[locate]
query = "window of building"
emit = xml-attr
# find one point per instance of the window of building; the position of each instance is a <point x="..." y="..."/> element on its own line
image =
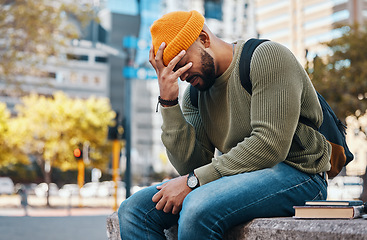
<point x="274" y="21"/>
<point x="73" y="77"/>
<point x="323" y="37"/>
<point x="77" y="57"/>
<point x="272" y="6"/>
<point x="213" y="9"/>
<point x="51" y="75"/>
<point x="101" y="59"/>
<point x="276" y="34"/>
<point x="85" y="79"/>
<point x="59" y="77"/>
<point x="320" y="6"/>
<point x="97" y="80"/>
<point x="335" y="17"/>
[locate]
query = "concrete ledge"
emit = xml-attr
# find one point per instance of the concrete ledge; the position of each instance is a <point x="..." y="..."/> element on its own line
<point x="276" y="228"/>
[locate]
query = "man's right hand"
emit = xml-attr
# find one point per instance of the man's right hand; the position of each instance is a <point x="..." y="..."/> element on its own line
<point x="167" y="78"/>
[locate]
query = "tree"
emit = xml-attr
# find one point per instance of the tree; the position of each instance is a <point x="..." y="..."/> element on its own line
<point x="341" y="77"/>
<point x="10" y="148"/>
<point x="52" y="128"/>
<point x="36" y="30"/>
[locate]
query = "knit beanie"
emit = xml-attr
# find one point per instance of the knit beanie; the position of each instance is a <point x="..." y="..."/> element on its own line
<point x="179" y="30"/>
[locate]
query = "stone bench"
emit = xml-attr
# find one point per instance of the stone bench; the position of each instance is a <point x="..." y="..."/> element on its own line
<point x="276" y="228"/>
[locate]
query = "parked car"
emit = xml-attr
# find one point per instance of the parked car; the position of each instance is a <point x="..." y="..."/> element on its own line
<point x="111" y="187"/>
<point x="69" y="190"/>
<point x="41" y="190"/>
<point x="101" y="189"/>
<point x="89" y="189"/>
<point x="6" y="185"/>
<point x="345" y="188"/>
<point x="30" y="187"/>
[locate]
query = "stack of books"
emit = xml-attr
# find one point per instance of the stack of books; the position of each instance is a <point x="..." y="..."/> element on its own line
<point x="330" y="209"/>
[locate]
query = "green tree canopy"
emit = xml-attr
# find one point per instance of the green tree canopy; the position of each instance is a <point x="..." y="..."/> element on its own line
<point x="341" y="76"/>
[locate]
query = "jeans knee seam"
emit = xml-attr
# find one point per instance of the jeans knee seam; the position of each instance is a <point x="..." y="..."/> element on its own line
<point x="145" y="222"/>
<point x="260" y="200"/>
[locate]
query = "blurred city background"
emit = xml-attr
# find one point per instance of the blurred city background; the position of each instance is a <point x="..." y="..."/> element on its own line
<point x="78" y="122"/>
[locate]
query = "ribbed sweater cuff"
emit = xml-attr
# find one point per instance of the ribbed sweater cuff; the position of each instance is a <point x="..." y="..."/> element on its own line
<point x="172" y="117"/>
<point x="207" y="174"/>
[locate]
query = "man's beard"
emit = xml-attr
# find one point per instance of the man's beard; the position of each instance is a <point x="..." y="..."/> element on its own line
<point x="208" y="72"/>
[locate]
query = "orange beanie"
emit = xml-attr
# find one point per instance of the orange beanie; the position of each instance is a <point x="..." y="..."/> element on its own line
<point x="178" y="30"/>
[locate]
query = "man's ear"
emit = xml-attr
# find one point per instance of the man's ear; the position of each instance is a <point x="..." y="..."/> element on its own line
<point x="204" y="38"/>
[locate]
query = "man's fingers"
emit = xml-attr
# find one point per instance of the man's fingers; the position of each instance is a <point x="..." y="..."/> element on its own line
<point x="167" y="207"/>
<point x="159" y="56"/>
<point x="172" y="64"/>
<point x="182" y="70"/>
<point x="161" y="204"/>
<point x="176" y="209"/>
<point x="157" y="196"/>
<point x="152" y="58"/>
<point x="184" y="76"/>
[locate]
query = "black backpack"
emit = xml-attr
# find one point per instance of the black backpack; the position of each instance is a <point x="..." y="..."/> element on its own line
<point x="332" y="128"/>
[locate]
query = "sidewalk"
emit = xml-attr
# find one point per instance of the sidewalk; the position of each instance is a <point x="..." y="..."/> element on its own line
<point x="10" y="206"/>
<point x="55" y="212"/>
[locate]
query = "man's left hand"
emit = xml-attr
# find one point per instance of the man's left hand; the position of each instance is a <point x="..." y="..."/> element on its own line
<point x="171" y="195"/>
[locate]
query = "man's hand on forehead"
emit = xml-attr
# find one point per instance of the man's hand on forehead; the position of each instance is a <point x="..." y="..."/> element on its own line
<point x="168" y="75"/>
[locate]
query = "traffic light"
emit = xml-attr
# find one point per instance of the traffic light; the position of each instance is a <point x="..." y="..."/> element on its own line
<point x="78" y="153"/>
<point x="113" y="131"/>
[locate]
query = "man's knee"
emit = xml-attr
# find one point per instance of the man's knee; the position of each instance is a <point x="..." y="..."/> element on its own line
<point x="194" y="206"/>
<point x="129" y="208"/>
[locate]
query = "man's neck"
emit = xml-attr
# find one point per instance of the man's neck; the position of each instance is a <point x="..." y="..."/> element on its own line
<point x="223" y="56"/>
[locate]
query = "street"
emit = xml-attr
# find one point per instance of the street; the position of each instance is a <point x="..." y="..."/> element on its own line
<point x="53" y="228"/>
<point x="61" y="221"/>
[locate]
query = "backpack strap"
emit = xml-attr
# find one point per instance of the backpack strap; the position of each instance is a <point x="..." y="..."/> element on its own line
<point x="245" y="61"/>
<point x="194" y="92"/>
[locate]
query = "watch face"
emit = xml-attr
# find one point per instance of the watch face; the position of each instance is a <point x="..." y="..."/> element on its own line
<point x="192" y="181"/>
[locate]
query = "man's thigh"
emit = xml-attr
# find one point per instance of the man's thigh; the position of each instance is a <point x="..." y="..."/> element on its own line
<point x="269" y="192"/>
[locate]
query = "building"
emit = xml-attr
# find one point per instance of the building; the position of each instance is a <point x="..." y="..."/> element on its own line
<point x="357" y="142"/>
<point x="304" y="24"/>
<point x="231" y="20"/>
<point x="81" y="71"/>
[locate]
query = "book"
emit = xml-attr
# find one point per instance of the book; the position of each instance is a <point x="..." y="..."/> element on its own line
<point x="322" y="212"/>
<point x="334" y="203"/>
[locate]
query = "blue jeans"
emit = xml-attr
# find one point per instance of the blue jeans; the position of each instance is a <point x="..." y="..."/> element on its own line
<point x="210" y="210"/>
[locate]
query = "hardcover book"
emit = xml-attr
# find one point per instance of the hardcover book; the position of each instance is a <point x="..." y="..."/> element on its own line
<point x="342" y="212"/>
<point x="334" y="203"/>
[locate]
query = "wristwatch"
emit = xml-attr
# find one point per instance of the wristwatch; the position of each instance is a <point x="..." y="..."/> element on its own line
<point x="192" y="181"/>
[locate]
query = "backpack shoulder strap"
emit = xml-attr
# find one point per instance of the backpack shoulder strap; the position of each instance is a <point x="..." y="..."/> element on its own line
<point x="194" y="96"/>
<point x="245" y="60"/>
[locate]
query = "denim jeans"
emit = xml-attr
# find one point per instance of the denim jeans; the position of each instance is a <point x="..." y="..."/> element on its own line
<point x="210" y="210"/>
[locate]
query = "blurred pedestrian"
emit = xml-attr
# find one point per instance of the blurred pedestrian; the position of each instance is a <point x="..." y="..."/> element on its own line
<point x="24" y="199"/>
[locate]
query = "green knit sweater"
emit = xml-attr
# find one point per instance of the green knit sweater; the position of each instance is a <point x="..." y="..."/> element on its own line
<point x="252" y="131"/>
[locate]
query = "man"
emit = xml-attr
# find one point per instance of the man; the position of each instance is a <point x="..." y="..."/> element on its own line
<point x="262" y="171"/>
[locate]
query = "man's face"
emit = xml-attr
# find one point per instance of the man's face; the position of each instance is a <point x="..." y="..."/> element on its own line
<point x="202" y="73"/>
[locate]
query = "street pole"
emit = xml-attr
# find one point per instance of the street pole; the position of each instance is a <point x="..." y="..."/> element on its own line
<point x="81" y="175"/>
<point x="115" y="167"/>
<point x="127" y="131"/>
<point x="130" y="44"/>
